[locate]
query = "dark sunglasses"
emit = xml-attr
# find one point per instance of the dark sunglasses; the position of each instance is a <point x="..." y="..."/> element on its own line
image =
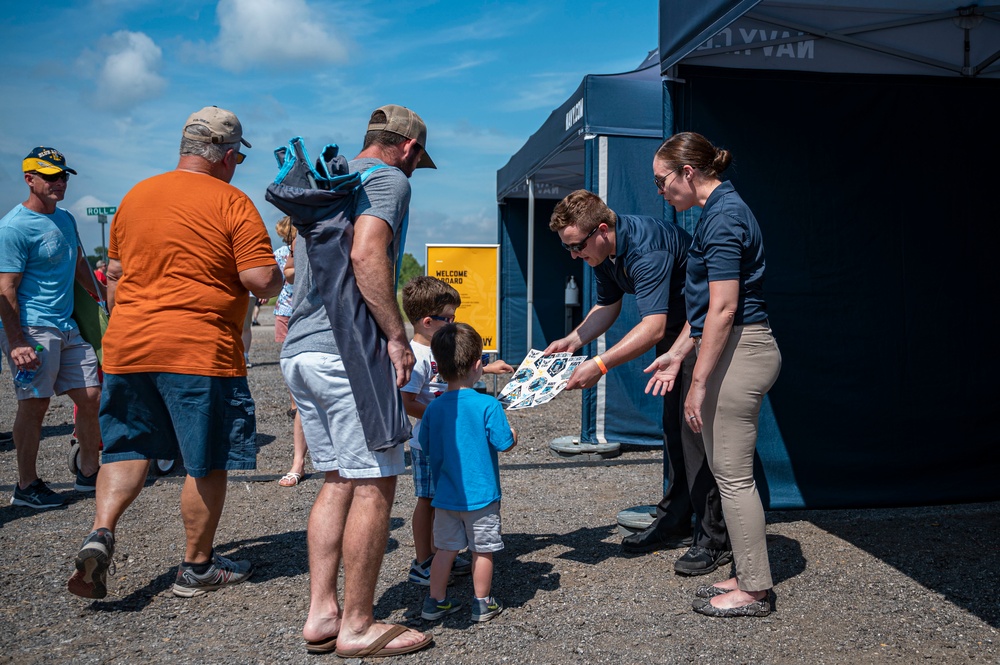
<point x="54" y="177"/>
<point x="578" y="247"/>
<point x="446" y="319"/>
<point x="240" y="157"/>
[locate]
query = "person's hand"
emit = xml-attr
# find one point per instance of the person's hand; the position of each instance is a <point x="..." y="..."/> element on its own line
<point x="560" y="346"/>
<point x="498" y="367"/>
<point x="587" y="374"/>
<point x="402" y="360"/>
<point x="692" y="406"/>
<point x="24" y="357"/>
<point x="665" y="371"/>
<point x="513" y="434"/>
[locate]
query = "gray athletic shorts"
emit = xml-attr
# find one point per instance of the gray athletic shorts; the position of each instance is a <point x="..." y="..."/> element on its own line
<point x="334" y="435"/>
<point x="477" y="529"/>
<point x="68" y="362"/>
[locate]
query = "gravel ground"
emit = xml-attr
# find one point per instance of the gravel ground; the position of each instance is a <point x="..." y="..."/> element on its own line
<point x="865" y="586"/>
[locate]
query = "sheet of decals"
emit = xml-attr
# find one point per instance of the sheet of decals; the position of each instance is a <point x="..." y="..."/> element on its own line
<point x="538" y="379"/>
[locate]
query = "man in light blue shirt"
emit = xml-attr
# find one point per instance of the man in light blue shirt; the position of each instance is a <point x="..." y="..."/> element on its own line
<point x="40" y="257"/>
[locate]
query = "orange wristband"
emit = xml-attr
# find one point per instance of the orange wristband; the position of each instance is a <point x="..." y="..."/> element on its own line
<point x="600" y="364"/>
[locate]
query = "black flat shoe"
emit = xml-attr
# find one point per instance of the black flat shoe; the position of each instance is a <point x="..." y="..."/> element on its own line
<point x="758" y="608"/>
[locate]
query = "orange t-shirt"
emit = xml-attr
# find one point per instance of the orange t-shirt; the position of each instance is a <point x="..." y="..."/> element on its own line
<point x="182" y="239"/>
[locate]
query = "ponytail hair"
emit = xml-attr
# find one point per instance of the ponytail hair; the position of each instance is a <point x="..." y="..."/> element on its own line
<point x="691" y="149"/>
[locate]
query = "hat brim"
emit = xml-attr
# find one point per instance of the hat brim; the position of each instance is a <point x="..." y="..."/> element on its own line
<point x="44" y="167"/>
<point x="426" y="162"/>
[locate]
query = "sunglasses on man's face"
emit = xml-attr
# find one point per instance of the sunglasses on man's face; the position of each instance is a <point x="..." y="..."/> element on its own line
<point x="578" y="246"/>
<point x="53" y="177"/>
<point x="240" y="157"/>
<point x="446" y="319"/>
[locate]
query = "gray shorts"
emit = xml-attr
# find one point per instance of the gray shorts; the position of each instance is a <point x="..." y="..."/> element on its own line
<point x="334" y="435"/>
<point x="68" y="362"/>
<point x="477" y="529"/>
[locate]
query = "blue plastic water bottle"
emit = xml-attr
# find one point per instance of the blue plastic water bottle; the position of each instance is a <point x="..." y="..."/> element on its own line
<point x="25" y="377"/>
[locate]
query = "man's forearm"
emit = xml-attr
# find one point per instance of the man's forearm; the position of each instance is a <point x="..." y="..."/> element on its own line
<point x="637" y="341"/>
<point x="597" y="322"/>
<point x="10" y="314"/>
<point x="375" y="278"/>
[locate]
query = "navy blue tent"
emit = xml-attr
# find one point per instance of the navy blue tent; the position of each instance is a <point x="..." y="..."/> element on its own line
<point x="864" y="140"/>
<point x="601" y="139"/>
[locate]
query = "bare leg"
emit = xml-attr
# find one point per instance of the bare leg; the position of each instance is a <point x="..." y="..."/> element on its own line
<point x="366" y="533"/>
<point x="423" y="529"/>
<point x="88" y="429"/>
<point x="326" y="539"/>
<point x="440" y="572"/>
<point x="202" y="500"/>
<point x="482" y="573"/>
<point x="298" y="446"/>
<point x="118" y="484"/>
<point x="27" y="435"/>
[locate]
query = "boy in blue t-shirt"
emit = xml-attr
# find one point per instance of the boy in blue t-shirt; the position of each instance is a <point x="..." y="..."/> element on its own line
<point x="429" y="303"/>
<point x="461" y="432"/>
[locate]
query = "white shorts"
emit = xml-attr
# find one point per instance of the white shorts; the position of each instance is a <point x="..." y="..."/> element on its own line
<point x="336" y="440"/>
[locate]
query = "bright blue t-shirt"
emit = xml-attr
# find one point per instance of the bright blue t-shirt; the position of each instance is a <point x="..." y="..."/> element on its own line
<point x="461" y="433"/>
<point x="42" y="248"/>
<point x="727" y="245"/>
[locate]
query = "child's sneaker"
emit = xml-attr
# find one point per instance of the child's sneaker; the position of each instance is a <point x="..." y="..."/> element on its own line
<point x="222" y="572"/>
<point x="420" y="573"/>
<point x="435" y="609"/>
<point x="462" y="566"/>
<point x="484" y="610"/>
<point x="92" y="564"/>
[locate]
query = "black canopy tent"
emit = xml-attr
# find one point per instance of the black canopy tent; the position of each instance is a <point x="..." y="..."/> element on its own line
<point x="864" y="140"/>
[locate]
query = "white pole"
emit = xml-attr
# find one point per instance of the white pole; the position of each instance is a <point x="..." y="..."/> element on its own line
<point x="531" y="259"/>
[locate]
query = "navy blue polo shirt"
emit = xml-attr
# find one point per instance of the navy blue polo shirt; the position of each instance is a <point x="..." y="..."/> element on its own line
<point x="727" y="245"/>
<point x="650" y="263"/>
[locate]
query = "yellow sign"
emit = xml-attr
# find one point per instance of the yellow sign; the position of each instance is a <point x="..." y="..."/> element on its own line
<point x="474" y="271"/>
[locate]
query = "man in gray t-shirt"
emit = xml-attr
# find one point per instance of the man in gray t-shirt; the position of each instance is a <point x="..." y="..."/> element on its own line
<point x="360" y="484"/>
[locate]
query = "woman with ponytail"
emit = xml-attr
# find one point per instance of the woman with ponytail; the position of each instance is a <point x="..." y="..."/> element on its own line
<point x="737" y="357"/>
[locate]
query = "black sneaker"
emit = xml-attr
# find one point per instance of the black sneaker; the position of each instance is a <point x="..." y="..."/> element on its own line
<point x="655" y="539"/>
<point x="93" y="561"/>
<point x="37" y="495"/>
<point x="700" y="561"/>
<point x="85" y="483"/>
<point x="222" y="572"/>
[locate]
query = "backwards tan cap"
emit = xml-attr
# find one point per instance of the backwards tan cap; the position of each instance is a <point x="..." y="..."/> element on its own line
<point x="224" y="126"/>
<point x="401" y="120"/>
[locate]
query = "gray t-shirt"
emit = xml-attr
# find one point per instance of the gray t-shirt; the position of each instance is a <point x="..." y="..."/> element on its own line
<point x="385" y="194"/>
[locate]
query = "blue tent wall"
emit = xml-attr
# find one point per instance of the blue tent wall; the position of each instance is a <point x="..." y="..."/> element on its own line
<point x="876" y="255"/>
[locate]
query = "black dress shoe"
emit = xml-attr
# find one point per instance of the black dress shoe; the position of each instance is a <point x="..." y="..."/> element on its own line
<point x="758" y="608"/>
<point x="700" y="561"/>
<point x="6" y="437"/>
<point x="653" y="539"/>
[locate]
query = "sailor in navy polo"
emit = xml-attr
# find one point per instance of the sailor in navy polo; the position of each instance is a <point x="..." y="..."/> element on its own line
<point x="646" y="257"/>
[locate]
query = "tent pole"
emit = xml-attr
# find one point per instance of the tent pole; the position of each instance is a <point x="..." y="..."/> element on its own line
<point x="531" y="259"/>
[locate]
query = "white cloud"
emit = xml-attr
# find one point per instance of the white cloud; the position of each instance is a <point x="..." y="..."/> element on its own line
<point x="126" y="67"/>
<point x="274" y="32"/>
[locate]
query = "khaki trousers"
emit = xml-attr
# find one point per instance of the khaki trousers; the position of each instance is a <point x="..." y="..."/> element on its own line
<point x="746" y="370"/>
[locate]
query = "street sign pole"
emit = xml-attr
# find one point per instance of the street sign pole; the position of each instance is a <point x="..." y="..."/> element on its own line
<point x="102" y="220"/>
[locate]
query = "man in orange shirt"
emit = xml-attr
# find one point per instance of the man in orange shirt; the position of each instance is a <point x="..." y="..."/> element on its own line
<point x="186" y="250"/>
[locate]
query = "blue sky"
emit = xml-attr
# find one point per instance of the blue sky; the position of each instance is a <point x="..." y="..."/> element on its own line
<point x="110" y="82"/>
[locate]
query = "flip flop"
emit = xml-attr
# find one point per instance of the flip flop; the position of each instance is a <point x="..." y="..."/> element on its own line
<point x="377" y="648"/>
<point x="329" y="645"/>
<point x="290" y="479"/>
